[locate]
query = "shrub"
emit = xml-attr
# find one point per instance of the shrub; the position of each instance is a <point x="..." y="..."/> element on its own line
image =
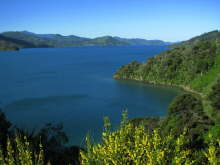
<point x="135" y="146"/>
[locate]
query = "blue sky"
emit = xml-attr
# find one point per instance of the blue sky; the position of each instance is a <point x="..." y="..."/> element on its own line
<point x="169" y="20"/>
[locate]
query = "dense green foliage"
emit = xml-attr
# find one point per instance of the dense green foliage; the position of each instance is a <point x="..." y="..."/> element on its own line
<point x="186" y="111"/>
<point x="134" y="145"/>
<point x="195" y="66"/>
<point x="184" y="65"/>
<point x="131" y="144"/>
<point x="149" y="123"/>
<point x="215" y="96"/>
<point x="21" y="152"/>
<point x="210" y="36"/>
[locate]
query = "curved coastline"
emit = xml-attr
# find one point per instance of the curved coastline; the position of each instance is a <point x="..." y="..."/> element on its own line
<point x="183" y="87"/>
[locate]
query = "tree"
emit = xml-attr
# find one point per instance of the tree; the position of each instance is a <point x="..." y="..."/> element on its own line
<point x="5" y="125"/>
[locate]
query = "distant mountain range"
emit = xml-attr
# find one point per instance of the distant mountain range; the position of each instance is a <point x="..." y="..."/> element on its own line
<point x="139" y="41"/>
<point x="15" y="40"/>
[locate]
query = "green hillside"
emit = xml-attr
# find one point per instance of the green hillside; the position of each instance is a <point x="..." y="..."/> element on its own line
<point x="210" y="36"/>
<point x="30" y="38"/>
<point x="193" y="64"/>
<point x="7" y="43"/>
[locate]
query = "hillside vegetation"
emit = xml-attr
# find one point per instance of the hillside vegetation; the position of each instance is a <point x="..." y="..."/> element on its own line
<point x="194" y="64"/>
<point x="128" y="145"/>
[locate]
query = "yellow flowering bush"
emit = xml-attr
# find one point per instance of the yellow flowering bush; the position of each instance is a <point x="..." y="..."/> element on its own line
<point x="128" y="145"/>
<point x="131" y="145"/>
<point x="213" y="151"/>
<point x="21" y="153"/>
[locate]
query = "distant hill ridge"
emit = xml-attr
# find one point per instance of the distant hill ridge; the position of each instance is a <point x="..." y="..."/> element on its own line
<point x="7" y="43"/>
<point x="139" y="41"/>
<point x="205" y="37"/>
<point x="26" y="39"/>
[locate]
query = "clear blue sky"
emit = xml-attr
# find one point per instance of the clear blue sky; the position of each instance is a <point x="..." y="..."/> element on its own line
<point x="169" y="20"/>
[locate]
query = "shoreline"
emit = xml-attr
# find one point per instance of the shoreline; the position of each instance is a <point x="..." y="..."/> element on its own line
<point x="183" y="87"/>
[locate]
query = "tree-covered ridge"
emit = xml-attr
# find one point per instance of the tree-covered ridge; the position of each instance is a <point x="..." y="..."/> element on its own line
<point x="30" y="38"/>
<point x="7" y="43"/>
<point x="210" y="36"/>
<point x="195" y="66"/>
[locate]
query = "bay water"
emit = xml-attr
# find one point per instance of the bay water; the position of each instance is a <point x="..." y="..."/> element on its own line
<point x="74" y="86"/>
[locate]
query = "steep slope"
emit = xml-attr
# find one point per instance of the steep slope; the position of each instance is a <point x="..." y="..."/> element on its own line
<point x="209" y="36"/>
<point x="194" y="65"/>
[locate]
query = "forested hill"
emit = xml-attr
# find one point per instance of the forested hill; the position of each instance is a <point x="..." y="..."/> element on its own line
<point x="194" y="64"/>
<point x="7" y="43"/>
<point x="56" y="40"/>
<point x="210" y="36"/>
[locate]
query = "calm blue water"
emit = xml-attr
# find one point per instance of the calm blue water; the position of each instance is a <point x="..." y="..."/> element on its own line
<point x="75" y="86"/>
